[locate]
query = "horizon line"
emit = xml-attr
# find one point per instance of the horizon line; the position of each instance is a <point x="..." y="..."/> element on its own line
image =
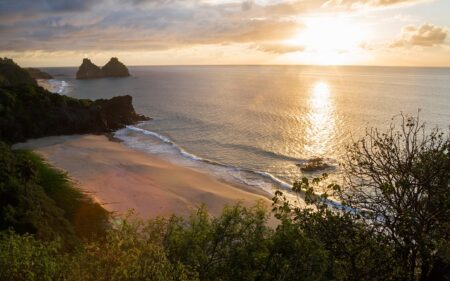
<point x="262" y="65"/>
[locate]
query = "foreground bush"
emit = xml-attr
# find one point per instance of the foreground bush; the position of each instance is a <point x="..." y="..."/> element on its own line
<point x="238" y="245"/>
<point x="22" y="257"/>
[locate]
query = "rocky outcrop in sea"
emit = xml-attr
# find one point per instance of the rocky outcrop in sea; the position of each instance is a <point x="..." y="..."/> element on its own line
<point x="114" y="68"/>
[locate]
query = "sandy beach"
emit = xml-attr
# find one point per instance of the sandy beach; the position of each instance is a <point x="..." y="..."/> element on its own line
<point x="122" y="179"/>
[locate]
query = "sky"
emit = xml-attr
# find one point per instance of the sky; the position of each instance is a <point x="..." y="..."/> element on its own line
<point x="219" y="32"/>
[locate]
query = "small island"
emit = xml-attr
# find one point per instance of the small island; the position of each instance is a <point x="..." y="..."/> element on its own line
<point x="114" y="68"/>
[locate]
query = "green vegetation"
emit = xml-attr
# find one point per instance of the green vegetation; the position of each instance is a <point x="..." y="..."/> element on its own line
<point x="38" y="199"/>
<point x="12" y="75"/>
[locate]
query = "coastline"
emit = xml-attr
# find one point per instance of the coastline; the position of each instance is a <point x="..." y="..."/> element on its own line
<point x="121" y="178"/>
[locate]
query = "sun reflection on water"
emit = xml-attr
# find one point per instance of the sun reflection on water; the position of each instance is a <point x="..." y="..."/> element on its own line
<point x="320" y="119"/>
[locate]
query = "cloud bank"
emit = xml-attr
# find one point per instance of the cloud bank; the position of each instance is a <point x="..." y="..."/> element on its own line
<point x="426" y="35"/>
<point x="356" y="4"/>
<point x="260" y="30"/>
<point x="139" y="24"/>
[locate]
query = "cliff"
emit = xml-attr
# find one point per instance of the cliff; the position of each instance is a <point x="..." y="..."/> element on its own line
<point x="114" y="68"/>
<point x="38" y="74"/>
<point x="29" y="111"/>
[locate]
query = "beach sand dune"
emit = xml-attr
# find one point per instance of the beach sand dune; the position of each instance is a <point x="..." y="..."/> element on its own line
<point x="122" y="179"/>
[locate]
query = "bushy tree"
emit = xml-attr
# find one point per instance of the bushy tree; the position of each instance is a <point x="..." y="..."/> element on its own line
<point x="229" y="247"/>
<point x="22" y="257"/>
<point x="130" y="251"/>
<point x="353" y="250"/>
<point x="399" y="182"/>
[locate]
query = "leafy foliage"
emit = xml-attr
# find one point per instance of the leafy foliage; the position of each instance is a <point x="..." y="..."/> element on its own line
<point x="400" y="179"/>
<point x="22" y="257"/>
<point x="38" y="199"/>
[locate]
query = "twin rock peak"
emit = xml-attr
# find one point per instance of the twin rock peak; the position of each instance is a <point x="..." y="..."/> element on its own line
<point x="114" y="68"/>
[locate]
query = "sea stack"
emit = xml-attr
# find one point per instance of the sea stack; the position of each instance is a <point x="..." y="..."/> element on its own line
<point x="88" y="70"/>
<point x="114" y="68"/>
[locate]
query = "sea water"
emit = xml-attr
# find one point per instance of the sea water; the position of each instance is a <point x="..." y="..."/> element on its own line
<point x="253" y="124"/>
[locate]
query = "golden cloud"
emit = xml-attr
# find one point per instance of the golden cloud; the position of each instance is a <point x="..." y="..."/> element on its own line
<point x="426" y="35"/>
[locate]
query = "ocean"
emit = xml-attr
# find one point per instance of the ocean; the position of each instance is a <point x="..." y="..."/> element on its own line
<point x="253" y="124"/>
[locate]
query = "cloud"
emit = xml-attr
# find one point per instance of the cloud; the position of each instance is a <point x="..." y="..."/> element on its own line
<point x="426" y="35"/>
<point x="39" y="6"/>
<point x="358" y="4"/>
<point x="278" y="48"/>
<point x="138" y="25"/>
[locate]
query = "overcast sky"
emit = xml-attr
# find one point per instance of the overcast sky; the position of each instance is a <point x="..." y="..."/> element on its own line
<point x="161" y="32"/>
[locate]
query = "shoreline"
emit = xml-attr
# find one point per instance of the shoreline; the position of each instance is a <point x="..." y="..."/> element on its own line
<point x="120" y="178"/>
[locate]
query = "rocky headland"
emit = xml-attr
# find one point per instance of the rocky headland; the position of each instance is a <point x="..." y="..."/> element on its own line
<point x="114" y="68"/>
<point x="29" y="111"/>
<point x="36" y="73"/>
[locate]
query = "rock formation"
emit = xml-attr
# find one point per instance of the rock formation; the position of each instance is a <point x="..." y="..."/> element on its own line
<point x="313" y="165"/>
<point x="114" y="68"/>
<point x="88" y="70"/>
<point x="38" y="74"/>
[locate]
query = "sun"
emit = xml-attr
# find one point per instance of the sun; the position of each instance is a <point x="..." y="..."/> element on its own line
<point x="330" y="40"/>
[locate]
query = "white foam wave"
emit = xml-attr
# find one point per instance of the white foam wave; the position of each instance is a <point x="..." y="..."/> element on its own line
<point x="62" y="87"/>
<point x="166" y="140"/>
<point x="148" y="133"/>
<point x="262" y="180"/>
<point x="259" y="179"/>
<point x="281" y="183"/>
<point x="55" y="86"/>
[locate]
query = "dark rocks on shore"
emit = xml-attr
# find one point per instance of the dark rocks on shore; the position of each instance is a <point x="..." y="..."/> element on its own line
<point x="38" y="74"/>
<point x="114" y="68"/>
<point x="314" y="165"/>
<point x="118" y="112"/>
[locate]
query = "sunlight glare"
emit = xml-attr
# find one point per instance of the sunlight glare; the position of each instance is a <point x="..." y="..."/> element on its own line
<point x="331" y="40"/>
<point x="321" y="119"/>
<point x="330" y="34"/>
<point x="320" y="94"/>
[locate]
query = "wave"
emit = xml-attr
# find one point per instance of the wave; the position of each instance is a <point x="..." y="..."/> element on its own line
<point x="263" y="180"/>
<point x="259" y="151"/>
<point x="57" y="86"/>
